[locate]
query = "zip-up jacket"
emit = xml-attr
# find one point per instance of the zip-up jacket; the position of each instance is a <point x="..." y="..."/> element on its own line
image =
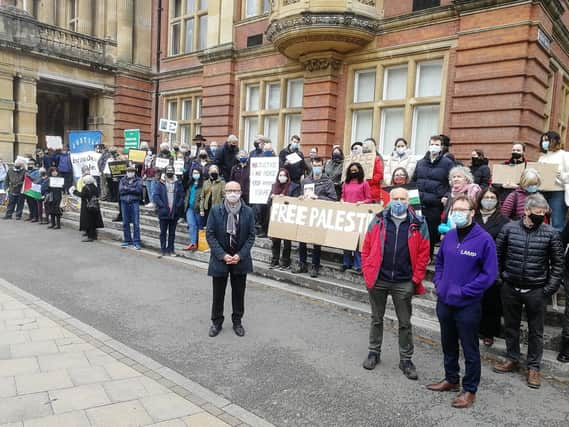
<point x="464" y="270"/>
<point x="130" y="189"/>
<point x="373" y="249"/>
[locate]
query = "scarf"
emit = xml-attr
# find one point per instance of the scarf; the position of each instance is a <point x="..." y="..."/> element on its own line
<point x="232" y="217"/>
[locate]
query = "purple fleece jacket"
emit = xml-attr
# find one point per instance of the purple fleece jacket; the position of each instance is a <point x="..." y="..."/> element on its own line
<point x="465" y="270"/>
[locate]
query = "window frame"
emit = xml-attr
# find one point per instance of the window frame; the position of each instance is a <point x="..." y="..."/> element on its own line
<point x="283" y="113"/>
<point x="195" y="120"/>
<point x="182" y="21"/>
<point x="409" y="103"/>
<point x="72" y="11"/>
<point x="259" y="9"/>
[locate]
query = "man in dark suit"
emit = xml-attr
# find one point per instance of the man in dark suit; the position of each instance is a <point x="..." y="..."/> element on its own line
<point x="230" y="234"/>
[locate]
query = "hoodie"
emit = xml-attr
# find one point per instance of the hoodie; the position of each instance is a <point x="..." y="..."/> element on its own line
<point x="464" y="270"/>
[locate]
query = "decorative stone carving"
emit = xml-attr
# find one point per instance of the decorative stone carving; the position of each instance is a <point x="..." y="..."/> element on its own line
<point x="321" y="64"/>
<point x="368" y="2"/>
<point x="289" y="2"/>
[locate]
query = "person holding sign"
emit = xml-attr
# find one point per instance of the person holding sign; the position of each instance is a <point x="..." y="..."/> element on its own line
<point x="52" y="190"/>
<point x="317" y="186"/>
<point x="550" y="145"/>
<point x="395" y="254"/>
<point x="230" y="234"/>
<point x="193" y="217"/>
<point x="513" y="207"/>
<point x="130" y="194"/>
<point x="377" y="176"/>
<point x="292" y="159"/>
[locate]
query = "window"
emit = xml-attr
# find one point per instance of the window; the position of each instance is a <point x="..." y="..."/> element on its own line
<point x="256" y="8"/>
<point x="425" y="4"/>
<point x="73" y="15"/>
<point x="392" y="100"/>
<point x="186" y="110"/>
<point x="188" y="26"/>
<point x="563" y="112"/>
<point x="272" y="108"/>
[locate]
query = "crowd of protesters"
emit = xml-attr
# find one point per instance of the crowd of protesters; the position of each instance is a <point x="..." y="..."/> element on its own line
<point x="501" y="250"/>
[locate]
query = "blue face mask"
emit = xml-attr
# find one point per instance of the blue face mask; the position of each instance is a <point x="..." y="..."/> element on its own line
<point x="317" y="170"/>
<point x="532" y="188"/>
<point x="398" y="208"/>
<point x="460" y="219"/>
<point x="196" y="177"/>
<point x="243" y="159"/>
<point x="545" y="145"/>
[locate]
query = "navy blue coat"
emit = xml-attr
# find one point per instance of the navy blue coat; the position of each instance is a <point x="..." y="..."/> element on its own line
<point x="218" y="241"/>
<point x="161" y="201"/>
<point x="432" y="179"/>
<point x="130" y="189"/>
<point x="226" y="158"/>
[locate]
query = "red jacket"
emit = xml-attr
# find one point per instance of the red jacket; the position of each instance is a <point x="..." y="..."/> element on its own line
<point x="418" y="241"/>
<point x="375" y="181"/>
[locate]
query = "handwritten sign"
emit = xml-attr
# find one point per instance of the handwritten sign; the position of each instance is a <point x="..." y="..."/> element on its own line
<point x="179" y="167"/>
<point x="548" y="173"/>
<point x="82" y="147"/>
<point x="56" y="182"/>
<point x="264" y="172"/>
<point x="53" y="142"/>
<point x="118" y="168"/>
<point x="162" y="163"/>
<point x="136" y="156"/>
<point x="366" y="160"/>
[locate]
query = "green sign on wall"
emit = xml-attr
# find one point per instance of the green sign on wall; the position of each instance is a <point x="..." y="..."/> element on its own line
<point x="131" y="139"/>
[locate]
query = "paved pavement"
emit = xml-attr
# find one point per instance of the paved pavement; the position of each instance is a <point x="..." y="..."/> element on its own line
<point x="300" y="362"/>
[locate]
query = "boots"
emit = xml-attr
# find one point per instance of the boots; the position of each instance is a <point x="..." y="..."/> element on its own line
<point x="564" y="353"/>
<point x="58" y="221"/>
<point x="52" y="222"/>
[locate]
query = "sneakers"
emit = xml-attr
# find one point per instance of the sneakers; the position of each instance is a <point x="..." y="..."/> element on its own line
<point x="137" y="247"/>
<point x="371" y="361"/>
<point x="191" y="247"/>
<point x="408" y="369"/>
<point x="301" y="267"/>
<point x="150" y="205"/>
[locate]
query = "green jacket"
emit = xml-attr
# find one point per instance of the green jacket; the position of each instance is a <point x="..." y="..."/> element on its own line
<point x="212" y="194"/>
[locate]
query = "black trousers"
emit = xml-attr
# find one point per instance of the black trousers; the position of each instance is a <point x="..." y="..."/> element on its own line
<point x="32" y="207"/>
<point x="433" y="216"/>
<point x="513" y="303"/>
<point x="565" y="331"/>
<point x="238" y="282"/>
<point x="490" y="324"/>
<point x="286" y="250"/>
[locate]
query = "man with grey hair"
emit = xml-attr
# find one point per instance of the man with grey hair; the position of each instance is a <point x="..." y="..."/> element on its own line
<point x="258" y="143"/>
<point x="395" y="254"/>
<point x="227" y="157"/>
<point x="530" y="257"/>
<point x="13" y="184"/>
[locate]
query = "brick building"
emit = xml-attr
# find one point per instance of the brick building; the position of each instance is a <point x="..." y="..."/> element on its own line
<point x="484" y="72"/>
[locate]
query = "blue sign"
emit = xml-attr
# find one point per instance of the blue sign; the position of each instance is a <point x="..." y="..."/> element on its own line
<point x="84" y="140"/>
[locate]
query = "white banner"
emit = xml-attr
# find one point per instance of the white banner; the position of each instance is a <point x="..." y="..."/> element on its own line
<point x="264" y="172"/>
<point x="86" y="158"/>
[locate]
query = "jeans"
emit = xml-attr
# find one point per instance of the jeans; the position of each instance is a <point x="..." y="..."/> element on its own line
<point x="352" y="259"/>
<point x="150" y="189"/>
<point x="1" y="185"/>
<point x="490" y="324"/>
<point x="32" y="207"/>
<point x="513" y="303"/>
<point x="556" y="200"/>
<point x="238" y="282"/>
<point x="316" y="249"/>
<point x="461" y="323"/>
<point x="15" y="201"/>
<point x="167" y="235"/>
<point x="401" y="294"/>
<point x="131" y="215"/>
<point x="194" y="220"/>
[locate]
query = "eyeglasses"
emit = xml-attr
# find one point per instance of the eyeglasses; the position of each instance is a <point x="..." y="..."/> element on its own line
<point x="462" y="210"/>
<point x="232" y="191"/>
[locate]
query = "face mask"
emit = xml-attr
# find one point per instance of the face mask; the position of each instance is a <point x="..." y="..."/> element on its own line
<point x="233" y="197"/>
<point x="294" y="146"/>
<point x="398" y="208"/>
<point x="317" y="170"/>
<point x="536" y="219"/>
<point x="176" y="149"/>
<point x="214" y="175"/>
<point x="353" y="174"/>
<point x="460" y="219"/>
<point x="149" y="153"/>
<point x="268" y="153"/>
<point x="313" y="155"/>
<point x="532" y="188"/>
<point x="545" y="145"/>
<point x="475" y="160"/>
<point x="357" y="151"/>
<point x="516" y="156"/>
<point x="196" y="177"/>
<point x="489" y="204"/>
<point x="166" y="151"/>
<point x="130" y="174"/>
<point x="366" y="150"/>
<point x="30" y="168"/>
<point x="16" y="168"/>
<point x="170" y="175"/>
<point x="243" y="159"/>
<point x="435" y="149"/>
<point x="203" y="156"/>
<point x="336" y="156"/>
<point x="283" y="179"/>
<point x="401" y="151"/>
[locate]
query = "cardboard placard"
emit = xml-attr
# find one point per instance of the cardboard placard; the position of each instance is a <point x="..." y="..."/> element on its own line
<point x="179" y="167"/>
<point x="118" y="168"/>
<point x="548" y="173"/>
<point x="293" y="158"/>
<point x="366" y="160"/>
<point x="161" y="163"/>
<point x="332" y="224"/>
<point x="56" y="182"/>
<point x="507" y="174"/>
<point x="54" y="142"/>
<point x="136" y="156"/>
<point x="264" y="171"/>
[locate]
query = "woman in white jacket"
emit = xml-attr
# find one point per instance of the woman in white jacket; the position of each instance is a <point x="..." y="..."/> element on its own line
<point x="550" y="145"/>
<point x="400" y="158"/>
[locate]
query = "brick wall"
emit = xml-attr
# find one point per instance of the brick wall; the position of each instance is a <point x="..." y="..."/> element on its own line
<point x="133" y="107"/>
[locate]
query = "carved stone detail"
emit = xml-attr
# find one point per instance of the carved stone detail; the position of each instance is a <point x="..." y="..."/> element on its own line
<point x="321" y="64"/>
<point x="368" y="2"/>
<point x="289" y="2"/>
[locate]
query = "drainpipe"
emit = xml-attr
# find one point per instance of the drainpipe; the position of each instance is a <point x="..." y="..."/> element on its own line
<point x="157" y="84"/>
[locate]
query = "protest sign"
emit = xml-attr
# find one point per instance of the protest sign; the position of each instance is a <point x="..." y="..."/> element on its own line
<point x="507" y="174"/>
<point x="56" y="182"/>
<point x="131" y="139"/>
<point x="82" y="147"/>
<point x="168" y="126"/>
<point x="332" y="224"/>
<point x="118" y="168"/>
<point x="308" y="190"/>
<point x="548" y="173"/>
<point x="366" y="160"/>
<point x="53" y="142"/>
<point x="264" y="172"/>
<point x="179" y="167"/>
<point x="136" y="156"/>
<point x="161" y="163"/>
<point x="293" y="158"/>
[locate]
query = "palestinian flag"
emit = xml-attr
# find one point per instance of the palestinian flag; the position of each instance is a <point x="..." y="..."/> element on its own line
<point x="30" y="189"/>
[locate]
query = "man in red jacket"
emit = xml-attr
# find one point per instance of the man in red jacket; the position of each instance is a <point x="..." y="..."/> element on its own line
<point x="395" y="255"/>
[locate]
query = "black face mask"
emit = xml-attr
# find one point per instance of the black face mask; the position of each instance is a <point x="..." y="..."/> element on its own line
<point x="169" y="175"/>
<point x="536" y="219"/>
<point x="353" y="175"/>
<point x="256" y="144"/>
<point x="203" y="156"/>
<point x="30" y="168"/>
<point x="165" y="151"/>
<point x="214" y="176"/>
<point x="516" y="156"/>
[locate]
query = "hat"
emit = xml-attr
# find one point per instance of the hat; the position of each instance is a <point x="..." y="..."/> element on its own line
<point x="198" y="137"/>
<point x="356" y="143"/>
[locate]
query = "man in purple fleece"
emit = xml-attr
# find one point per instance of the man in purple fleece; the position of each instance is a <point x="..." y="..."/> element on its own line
<point x="466" y="266"/>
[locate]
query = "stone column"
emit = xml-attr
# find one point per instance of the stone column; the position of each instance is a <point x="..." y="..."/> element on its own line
<point x="125" y="14"/>
<point x="85" y="12"/>
<point x="7" y="107"/>
<point x="100" y="12"/>
<point x="61" y="15"/>
<point x="111" y="19"/>
<point x="46" y="12"/>
<point x="142" y="32"/>
<point x="106" y="116"/>
<point x="26" y="110"/>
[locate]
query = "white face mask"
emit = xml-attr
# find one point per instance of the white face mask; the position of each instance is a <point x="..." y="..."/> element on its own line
<point x="283" y="179"/>
<point x="435" y="149"/>
<point x="401" y="150"/>
<point x="233" y="197"/>
<point x="130" y="174"/>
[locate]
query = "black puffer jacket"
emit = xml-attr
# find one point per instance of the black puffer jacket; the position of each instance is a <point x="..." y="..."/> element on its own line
<point x="482" y="174"/>
<point x="432" y="179"/>
<point x="530" y="258"/>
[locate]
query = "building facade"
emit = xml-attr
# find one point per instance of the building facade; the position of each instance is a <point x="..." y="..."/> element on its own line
<point x="485" y="72"/>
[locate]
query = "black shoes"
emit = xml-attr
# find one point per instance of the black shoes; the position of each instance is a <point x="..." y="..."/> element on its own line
<point x="314" y="271"/>
<point x="274" y="263"/>
<point x="371" y="361"/>
<point x="239" y="330"/>
<point x="563" y="356"/>
<point x="301" y="267"/>
<point x="214" y="330"/>
<point x="408" y="369"/>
